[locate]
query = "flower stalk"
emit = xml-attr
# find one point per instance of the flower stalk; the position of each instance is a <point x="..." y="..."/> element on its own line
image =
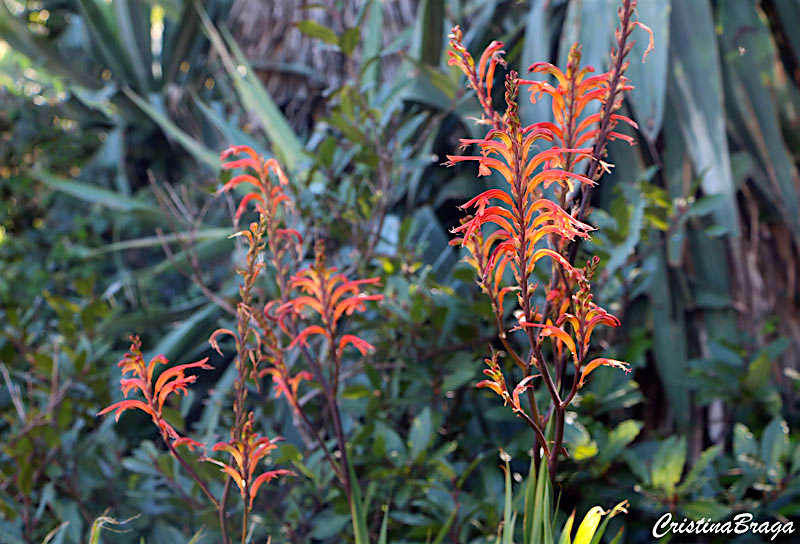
<point x="515" y="226"/>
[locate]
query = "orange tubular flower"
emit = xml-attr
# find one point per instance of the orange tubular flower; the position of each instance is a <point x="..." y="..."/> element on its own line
<point x="509" y="225"/>
<point x="570" y="97"/>
<point x="481" y="78"/>
<point x="521" y="216"/>
<point x="268" y="196"/>
<point x="330" y="295"/>
<point x="247" y="453"/>
<point x="170" y="381"/>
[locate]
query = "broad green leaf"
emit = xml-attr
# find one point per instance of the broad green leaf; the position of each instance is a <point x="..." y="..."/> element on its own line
<point x="621" y="252"/>
<point x="316" y="30"/>
<point x="421" y="434"/>
<point x="16" y="33"/>
<point x="349" y="40"/>
<point x="230" y="131"/>
<point x="693" y="479"/>
<point x="430" y="31"/>
<point x="591" y="23"/>
<point x="696" y="93"/>
<point x="619" y="437"/>
<point x="775" y="448"/>
<point x="745" y="449"/>
<point x="186" y="336"/>
<point x="133" y="21"/>
<point x="668" y="464"/>
<point x="180" y="40"/>
<point x="758" y="373"/>
<point x="669" y="340"/>
<point x="749" y="54"/>
<point x="105" y="37"/>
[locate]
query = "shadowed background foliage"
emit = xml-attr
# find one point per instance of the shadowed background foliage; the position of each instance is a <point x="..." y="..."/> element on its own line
<point x="113" y="114"/>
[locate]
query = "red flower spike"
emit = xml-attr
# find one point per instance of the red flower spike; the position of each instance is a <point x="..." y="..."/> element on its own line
<point x="266" y="196"/>
<point x="509" y="225"/>
<point x="330" y="295"/>
<point x="247" y="452"/>
<point x="155" y="395"/>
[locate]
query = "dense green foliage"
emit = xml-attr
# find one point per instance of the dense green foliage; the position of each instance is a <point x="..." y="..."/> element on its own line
<point x="112" y="118"/>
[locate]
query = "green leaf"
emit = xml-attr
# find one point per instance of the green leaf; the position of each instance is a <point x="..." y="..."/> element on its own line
<point x="619" y="508"/>
<point x="445" y="529"/>
<point x="693" y="480"/>
<point x="566" y="531"/>
<point x="370" y="52"/>
<point x="253" y="94"/>
<point x="91" y="193"/>
<point x="668" y="464"/>
<point x="529" y="515"/>
<point x="430" y="31"/>
<point x="696" y="91"/>
<point x="357" y="511"/>
<point x="316" y="30"/>
<point x="622" y="251"/>
<point x="706" y="507"/>
<point x="349" y="40"/>
<point x="758" y="373"/>
<point x="195" y="148"/>
<point x="106" y="39"/>
<point x="750" y="55"/>
<point x="669" y="339"/>
<point x="508" y="530"/>
<point x="155" y="241"/>
<point x="132" y="18"/>
<point x="542" y="530"/>
<point x="284" y="141"/>
<point x="619" y="437"/>
<point x="186" y="335"/>
<point x="775" y="448"/>
<point x="421" y="434"/>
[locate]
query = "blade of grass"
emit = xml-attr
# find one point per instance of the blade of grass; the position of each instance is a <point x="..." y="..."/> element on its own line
<point x="253" y="94"/>
<point x="198" y="150"/>
<point x="91" y="193"/>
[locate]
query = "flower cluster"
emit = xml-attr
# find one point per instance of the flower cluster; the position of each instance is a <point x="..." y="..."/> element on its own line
<point x="514" y="226"/>
<point x="171" y="380"/>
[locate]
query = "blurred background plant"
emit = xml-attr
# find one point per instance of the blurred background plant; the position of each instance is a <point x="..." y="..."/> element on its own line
<point x="113" y="116"/>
